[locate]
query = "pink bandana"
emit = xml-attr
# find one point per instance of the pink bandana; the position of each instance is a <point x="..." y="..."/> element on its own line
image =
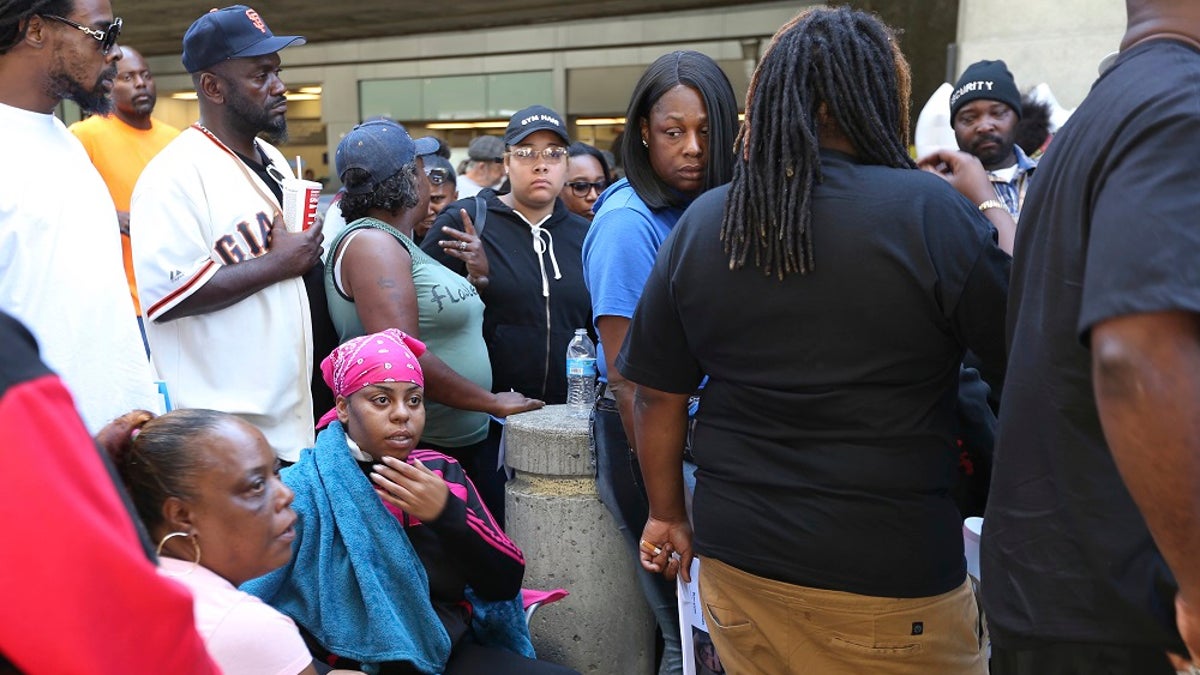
<point x="387" y="356"/>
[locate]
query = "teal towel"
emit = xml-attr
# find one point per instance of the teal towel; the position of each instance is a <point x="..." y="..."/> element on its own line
<point x="501" y="624"/>
<point x="355" y="581"/>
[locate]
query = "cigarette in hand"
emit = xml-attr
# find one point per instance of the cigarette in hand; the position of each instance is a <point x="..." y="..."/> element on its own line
<point x="650" y="548"/>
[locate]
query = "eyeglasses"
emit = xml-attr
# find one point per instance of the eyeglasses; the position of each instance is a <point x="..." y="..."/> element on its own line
<point x="107" y="37"/>
<point x="527" y="155"/>
<point x="436" y="176"/>
<point x="581" y="188"/>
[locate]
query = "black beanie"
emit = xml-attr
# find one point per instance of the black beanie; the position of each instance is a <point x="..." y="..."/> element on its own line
<point x="987" y="80"/>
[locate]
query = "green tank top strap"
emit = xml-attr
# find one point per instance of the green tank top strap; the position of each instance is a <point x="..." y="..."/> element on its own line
<point x="418" y="256"/>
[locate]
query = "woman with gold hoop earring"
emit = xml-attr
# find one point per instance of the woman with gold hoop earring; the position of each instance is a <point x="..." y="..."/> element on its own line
<point x="196" y="474"/>
<point x="195" y="544"/>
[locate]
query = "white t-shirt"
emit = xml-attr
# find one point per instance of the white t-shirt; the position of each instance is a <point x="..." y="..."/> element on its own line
<point x="243" y="634"/>
<point x="196" y="208"/>
<point x="60" y="268"/>
<point x="1005" y="175"/>
<point x="335" y="222"/>
<point x="466" y="187"/>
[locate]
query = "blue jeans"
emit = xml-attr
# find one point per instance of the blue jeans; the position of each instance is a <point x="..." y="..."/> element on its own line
<point x="619" y="482"/>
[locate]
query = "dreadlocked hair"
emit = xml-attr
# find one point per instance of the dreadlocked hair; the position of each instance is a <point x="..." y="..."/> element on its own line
<point x="834" y="69"/>
<point x="14" y="18"/>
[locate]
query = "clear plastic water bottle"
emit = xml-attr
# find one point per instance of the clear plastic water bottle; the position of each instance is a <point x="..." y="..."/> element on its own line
<point x="581" y="374"/>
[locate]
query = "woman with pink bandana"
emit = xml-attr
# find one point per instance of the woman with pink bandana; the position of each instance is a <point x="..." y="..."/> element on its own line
<point x="398" y="567"/>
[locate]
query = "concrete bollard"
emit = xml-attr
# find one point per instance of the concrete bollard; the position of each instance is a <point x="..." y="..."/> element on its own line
<point x="570" y="541"/>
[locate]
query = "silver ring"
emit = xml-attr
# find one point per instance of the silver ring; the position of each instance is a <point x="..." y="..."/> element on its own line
<point x="462" y="245"/>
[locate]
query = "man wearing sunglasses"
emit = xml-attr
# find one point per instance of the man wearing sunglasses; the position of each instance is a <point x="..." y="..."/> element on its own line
<point x="60" y="250"/>
<point x="230" y="293"/>
<point x="61" y="278"/>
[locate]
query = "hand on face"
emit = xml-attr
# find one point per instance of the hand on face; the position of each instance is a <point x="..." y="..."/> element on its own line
<point x="412" y="488"/>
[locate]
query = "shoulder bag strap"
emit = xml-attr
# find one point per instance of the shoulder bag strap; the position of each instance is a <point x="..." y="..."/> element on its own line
<point x="480" y="215"/>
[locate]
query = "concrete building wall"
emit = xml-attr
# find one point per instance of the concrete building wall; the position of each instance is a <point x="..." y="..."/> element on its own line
<point x="726" y="34"/>
<point x="1059" y="42"/>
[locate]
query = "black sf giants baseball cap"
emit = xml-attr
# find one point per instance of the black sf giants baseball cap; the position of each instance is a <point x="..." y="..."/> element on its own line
<point x="231" y="33"/>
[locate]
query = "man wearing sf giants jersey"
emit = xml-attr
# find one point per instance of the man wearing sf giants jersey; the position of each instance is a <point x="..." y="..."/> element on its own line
<point x="219" y="275"/>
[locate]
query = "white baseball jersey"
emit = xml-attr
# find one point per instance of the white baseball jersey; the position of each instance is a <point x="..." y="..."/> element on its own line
<point x="198" y="207"/>
<point x="60" y="268"/>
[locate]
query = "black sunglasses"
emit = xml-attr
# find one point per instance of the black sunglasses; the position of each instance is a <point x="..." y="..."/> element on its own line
<point x="107" y="37"/>
<point x="437" y="176"/>
<point x="581" y="188"/>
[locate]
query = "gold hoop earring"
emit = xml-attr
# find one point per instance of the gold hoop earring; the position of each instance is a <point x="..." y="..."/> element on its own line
<point x="195" y="544"/>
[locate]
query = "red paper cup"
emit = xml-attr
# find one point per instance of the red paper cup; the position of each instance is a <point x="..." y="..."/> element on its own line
<point x="300" y="199"/>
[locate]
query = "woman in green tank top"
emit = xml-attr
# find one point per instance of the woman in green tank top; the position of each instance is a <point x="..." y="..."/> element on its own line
<point x="377" y="278"/>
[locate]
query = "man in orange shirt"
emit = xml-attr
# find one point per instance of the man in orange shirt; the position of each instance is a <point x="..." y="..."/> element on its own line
<point x="121" y="144"/>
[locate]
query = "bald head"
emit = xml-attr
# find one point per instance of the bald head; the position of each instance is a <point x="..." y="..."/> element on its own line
<point x="134" y="93"/>
<point x="1151" y="19"/>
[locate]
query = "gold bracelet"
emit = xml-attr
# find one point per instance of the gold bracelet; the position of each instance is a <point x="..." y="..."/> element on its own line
<point x="992" y="204"/>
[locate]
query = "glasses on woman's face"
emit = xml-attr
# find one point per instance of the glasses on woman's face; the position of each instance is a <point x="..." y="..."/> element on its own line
<point x="528" y="155"/>
<point x="581" y="188"/>
<point x="436" y="176"/>
<point x="107" y="37"/>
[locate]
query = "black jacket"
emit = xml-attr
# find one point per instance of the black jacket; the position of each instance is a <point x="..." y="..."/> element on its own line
<point x="526" y="331"/>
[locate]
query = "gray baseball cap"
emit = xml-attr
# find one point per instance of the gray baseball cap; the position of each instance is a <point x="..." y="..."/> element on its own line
<point x="486" y="149"/>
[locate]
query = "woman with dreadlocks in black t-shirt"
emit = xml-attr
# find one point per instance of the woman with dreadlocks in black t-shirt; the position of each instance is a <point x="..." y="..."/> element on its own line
<point x="829" y="293"/>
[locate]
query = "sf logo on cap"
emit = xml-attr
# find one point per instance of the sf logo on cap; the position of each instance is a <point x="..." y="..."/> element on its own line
<point x="256" y="20"/>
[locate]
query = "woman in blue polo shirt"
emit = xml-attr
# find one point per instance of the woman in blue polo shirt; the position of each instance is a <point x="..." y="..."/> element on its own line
<point x="678" y="142"/>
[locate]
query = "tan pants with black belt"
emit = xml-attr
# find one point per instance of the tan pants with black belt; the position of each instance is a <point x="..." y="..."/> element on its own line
<point x="770" y="627"/>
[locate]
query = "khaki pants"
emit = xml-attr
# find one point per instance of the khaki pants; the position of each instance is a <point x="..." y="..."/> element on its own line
<point x="770" y="627"/>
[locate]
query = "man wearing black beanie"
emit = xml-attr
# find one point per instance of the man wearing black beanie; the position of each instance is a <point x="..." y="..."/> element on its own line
<point x="984" y="109"/>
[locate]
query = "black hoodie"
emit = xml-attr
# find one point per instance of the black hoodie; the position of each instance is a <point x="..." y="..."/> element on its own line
<point x="526" y="330"/>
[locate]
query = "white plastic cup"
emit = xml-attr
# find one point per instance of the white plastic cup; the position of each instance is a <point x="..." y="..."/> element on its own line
<point x="972" y="530"/>
<point x="300" y="198"/>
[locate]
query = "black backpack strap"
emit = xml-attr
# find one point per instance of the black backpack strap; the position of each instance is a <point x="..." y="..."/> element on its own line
<point x="480" y="215"/>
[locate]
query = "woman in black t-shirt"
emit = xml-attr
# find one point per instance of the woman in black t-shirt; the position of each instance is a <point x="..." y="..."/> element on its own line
<point x="829" y="293"/>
